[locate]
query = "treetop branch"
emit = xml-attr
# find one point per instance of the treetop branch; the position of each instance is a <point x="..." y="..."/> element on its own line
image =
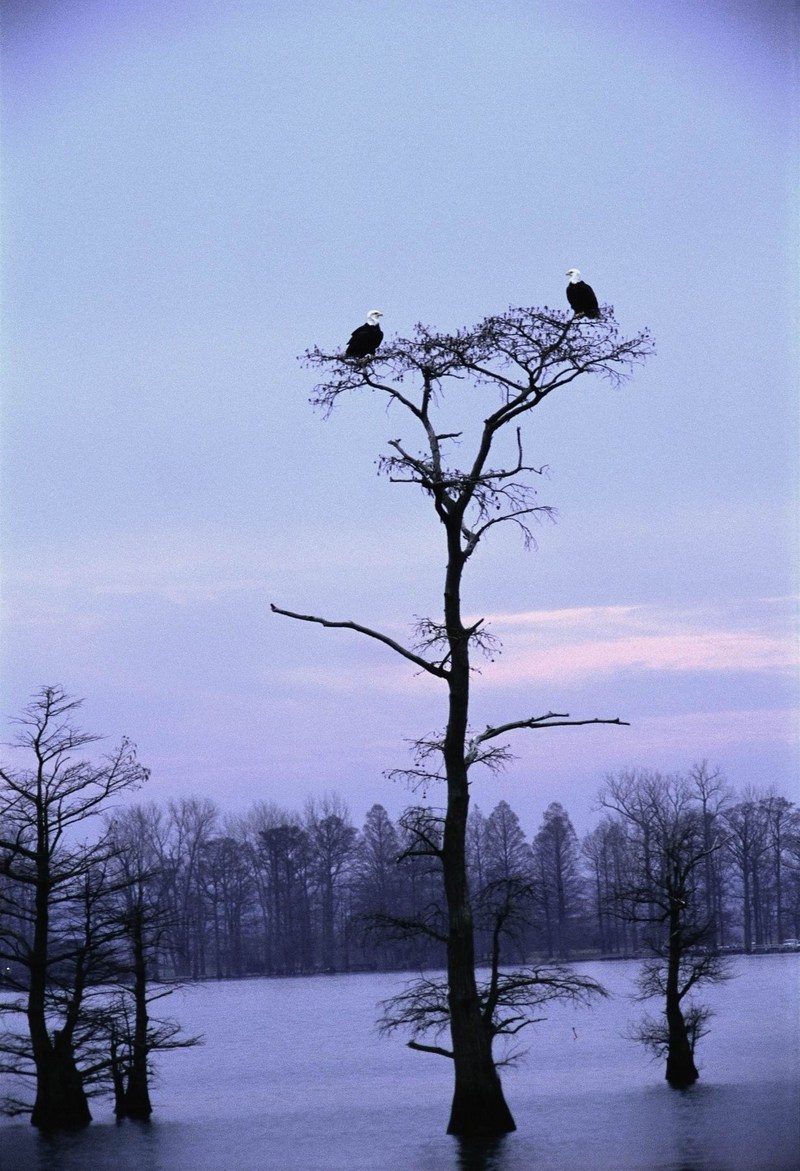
<point x="526" y="352"/>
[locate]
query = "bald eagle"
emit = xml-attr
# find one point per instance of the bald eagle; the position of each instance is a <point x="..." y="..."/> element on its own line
<point x="581" y="296"/>
<point x="366" y="339"/>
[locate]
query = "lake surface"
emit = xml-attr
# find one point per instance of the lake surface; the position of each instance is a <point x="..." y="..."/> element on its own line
<point x="293" y="1077"/>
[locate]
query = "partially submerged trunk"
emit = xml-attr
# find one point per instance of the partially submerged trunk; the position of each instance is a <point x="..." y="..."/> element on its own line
<point x="681" y="1070"/>
<point x="479" y="1107"/>
<point x="61" y="1102"/>
<point x="136" y="1102"/>
<point x="117" y="1073"/>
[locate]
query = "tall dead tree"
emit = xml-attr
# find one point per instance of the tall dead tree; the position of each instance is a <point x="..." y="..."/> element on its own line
<point x="510" y="364"/>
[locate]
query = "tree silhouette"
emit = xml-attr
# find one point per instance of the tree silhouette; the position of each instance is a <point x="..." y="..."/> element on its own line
<point x="57" y="931"/>
<point x="558" y="880"/>
<point x="663" y="818"/>
<point x="510" y="363"/>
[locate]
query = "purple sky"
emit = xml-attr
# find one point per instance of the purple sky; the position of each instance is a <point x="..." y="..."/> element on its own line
<point x="195" y="193"/>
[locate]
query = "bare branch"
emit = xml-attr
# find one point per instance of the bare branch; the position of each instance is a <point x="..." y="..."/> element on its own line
<point x="395" y="927"/>
<point x="431" y="668"/>
<point x="551" y="720"/>
<point x="430" y="1049"/>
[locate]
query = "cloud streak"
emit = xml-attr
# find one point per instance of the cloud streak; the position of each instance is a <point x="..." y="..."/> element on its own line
<point x="570" y="645"/>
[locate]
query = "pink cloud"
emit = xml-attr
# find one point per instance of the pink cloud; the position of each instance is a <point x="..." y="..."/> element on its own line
<point x="568" y="645"/>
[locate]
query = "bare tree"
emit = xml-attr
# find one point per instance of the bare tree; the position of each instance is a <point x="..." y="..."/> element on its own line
<point x="191" y="823"/>
<point x="226" y="881"/>
<point x="417" y="924"/>
<point x="512" y="362"/>
<point x="284" y="866"/>
<point x="508" y="871"/>
<point x="377" y="878"/>
<point x="713" y="794"/>
<point x="607" y="850"/>
<point x="141" y="918"/>
<point x="60" y="936"/>
<point x="783" y="820"/>
<point x="558" y="881"/>
<point x="332" y="846"/>
<point x="508" y="854"/>
<point x="747" y="845"/>
<point x="663" y="819"/>
<point x="477" y="848"/>
<point x="378" y="853"/>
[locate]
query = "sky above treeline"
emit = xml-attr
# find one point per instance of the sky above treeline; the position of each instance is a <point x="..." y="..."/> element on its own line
<point x="196" y="193"/>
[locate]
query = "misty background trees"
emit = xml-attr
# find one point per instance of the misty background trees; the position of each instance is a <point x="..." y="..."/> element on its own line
<point x="300" y="903"/>
<point x="263" y="893"/>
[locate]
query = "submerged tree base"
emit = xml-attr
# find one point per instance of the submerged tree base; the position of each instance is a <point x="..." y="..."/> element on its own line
<point x="480" y="1114"/>
<point x="61" y="1102"/>
<point x="681" y="1074"/>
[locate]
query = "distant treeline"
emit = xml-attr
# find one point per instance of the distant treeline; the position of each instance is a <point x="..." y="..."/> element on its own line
<point x="280" y="892"/>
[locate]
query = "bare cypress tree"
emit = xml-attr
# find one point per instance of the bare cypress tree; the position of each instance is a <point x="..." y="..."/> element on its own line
<point x="57" y="942"/>
<point x="663" y="818"/>
<point x="141" y="920"/>
<point x="509" y="364"/>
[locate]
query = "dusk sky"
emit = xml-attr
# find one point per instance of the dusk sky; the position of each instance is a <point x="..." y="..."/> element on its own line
<point x="196" y="193"/>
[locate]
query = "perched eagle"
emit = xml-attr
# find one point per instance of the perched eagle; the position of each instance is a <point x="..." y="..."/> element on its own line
<point x="366" y="339"/>
<point x="581" y="296"/>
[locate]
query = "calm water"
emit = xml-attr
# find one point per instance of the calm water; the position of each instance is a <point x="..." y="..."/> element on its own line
<point x="293" y="1077"/>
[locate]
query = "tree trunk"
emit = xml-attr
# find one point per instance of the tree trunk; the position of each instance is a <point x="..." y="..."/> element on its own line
<point x="778" y="895"/>
<point x="328" y="940"/>
<point x="117" y="1074"/>
<point x="748" y="928"/>
<point x="561" y="903"/>
<point x="136" y="1103"/>
<point x="479" y="1107"/>
<point x="61" y="1102"/>
<point x="681" y="1070"/>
